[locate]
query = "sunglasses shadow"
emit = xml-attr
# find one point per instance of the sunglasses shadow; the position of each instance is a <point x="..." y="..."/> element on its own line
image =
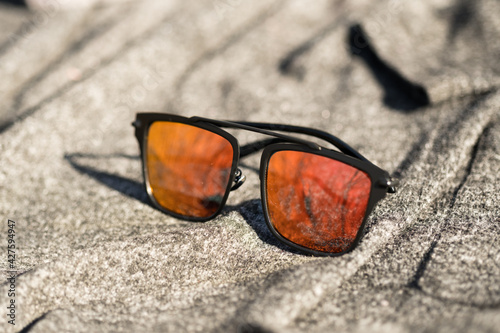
<point x="250" y="210"/>
<point x="253" y="214"/>
<point x="129" y="187"/>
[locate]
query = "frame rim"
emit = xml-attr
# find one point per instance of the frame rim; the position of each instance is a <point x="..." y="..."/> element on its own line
<point x="377" y="192"/>
<point x="144" y="122"/>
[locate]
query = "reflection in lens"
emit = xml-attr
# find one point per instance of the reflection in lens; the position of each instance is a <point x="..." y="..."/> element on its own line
<point x="315" y="201"/>
<point x="188" y="168"/>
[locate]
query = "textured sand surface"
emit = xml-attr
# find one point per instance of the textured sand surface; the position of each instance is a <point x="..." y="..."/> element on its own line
<point x="422" y="102"/>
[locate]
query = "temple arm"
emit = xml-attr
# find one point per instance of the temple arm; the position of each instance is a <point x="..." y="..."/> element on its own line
<point x="269" y="129"/>
<point x="341" y="145"/>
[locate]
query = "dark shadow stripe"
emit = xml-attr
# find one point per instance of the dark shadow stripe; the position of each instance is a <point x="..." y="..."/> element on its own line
<point x="464" y="14"/>
<point x="468" y="169"/>
<point x="15" y="37"/>
<point x="412" y="155"/>
<point x="286" y="64"/>
<point x="422" y="266"/>
<point x="28" y="327"/>
<point x="128" y="187"/>
<point x="400" y="93"/>
<point x="20" y="3"/>
<point x="71" y="50"/>
<point x="85" y="76"/>
<point x="230" y="41"/>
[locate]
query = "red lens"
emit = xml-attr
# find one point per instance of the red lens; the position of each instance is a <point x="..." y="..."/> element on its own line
<point x="315" y="201"/>
<point x="188" y="168"/>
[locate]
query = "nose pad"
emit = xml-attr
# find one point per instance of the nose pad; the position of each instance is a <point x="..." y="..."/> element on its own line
<point x="239" y="179"/>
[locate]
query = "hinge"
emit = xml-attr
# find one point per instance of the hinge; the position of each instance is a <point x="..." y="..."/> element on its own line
<point x="390" y="184"/>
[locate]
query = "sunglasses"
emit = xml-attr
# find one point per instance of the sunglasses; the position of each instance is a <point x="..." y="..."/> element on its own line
<point x="315" y="200"/>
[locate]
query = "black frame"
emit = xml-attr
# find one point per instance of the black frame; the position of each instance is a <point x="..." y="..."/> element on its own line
<point x="381" y="182"/>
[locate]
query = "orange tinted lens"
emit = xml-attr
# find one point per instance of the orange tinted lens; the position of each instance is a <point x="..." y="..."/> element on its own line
<point x="315" y="201"/>
<point x="188" y="168"/>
